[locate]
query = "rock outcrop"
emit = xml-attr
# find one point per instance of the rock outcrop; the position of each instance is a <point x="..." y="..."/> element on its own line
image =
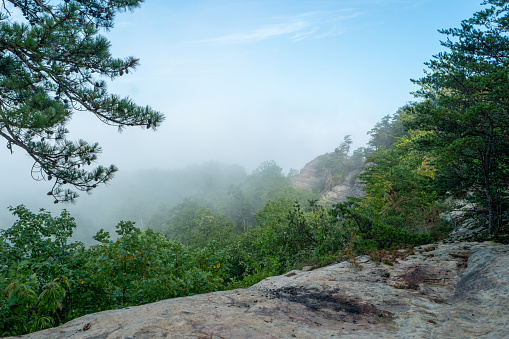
<point x="351" y="187"/>
<point x="455" y="290"/>
<point x="311" y="178"/>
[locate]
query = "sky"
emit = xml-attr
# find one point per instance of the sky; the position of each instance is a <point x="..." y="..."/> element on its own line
<point x="242" y="82"/>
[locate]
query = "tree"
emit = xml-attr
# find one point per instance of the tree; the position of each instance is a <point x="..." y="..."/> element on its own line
<point x="400" y="185"/>
<point x="268" y="169"/>
<point x="239" y="208"/>
<point x="386" y="132"/>
<point x="466" y="106"/>
<point x="336" y="166"/>
<point x="264" y="179"/>
<point x="49" y="64"/>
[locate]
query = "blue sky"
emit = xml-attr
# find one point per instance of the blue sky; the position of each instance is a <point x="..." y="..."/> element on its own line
<point x="248" y="81"/>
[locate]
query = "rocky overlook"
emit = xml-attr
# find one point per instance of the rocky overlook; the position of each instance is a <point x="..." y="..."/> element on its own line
<point x="454" y="290"/>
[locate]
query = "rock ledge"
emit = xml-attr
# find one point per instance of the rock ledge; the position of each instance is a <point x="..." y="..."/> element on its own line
<point x="457" y="290"/>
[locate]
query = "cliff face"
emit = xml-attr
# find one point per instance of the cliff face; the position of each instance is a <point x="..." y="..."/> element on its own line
<point x="351" y="187"/>
<point x="458" y="290"/>
<point x="310" y="178"/>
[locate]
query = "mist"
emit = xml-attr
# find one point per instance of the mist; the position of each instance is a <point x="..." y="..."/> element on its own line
<point x="241" y="83"/>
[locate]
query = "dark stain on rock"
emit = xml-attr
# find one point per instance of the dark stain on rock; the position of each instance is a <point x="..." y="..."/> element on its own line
<point x="330" y="303"/>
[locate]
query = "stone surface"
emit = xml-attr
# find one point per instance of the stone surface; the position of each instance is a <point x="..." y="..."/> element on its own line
<point x="455" y="290"/>
<point x="310" y="178"/>
<point x="351" y="187"/>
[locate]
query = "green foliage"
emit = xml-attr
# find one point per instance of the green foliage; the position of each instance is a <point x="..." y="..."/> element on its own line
<point x="386" y="132"/>
<point x="465" y="108"/>
<point x="47" y="70"/>
<point x="399" y="183"/>
<point x="149" y="196"/>
<point x="141" y="267"/>
<point x="36" y="263"/>
<point x="45" y="280"/>
<point x="195" y="225"/>
<point x="264" y="179"/>
<point x="367" y="233"/>
<point x="231" y="212"/>
<point x="289" y="237"/>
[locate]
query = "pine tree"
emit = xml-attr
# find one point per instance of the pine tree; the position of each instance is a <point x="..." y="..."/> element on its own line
<point x="466" y="106"/>
<point x="50" y="63"/>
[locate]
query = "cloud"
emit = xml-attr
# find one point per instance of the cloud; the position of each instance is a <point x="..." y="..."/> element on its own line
<point x="408" y="3"/>
<point x="311" y="25"/>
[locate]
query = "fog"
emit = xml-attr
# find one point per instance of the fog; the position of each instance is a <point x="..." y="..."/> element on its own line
<point x="241" y="83"/>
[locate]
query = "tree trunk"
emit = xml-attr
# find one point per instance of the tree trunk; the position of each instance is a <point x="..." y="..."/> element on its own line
<point x="486" y="165"/>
